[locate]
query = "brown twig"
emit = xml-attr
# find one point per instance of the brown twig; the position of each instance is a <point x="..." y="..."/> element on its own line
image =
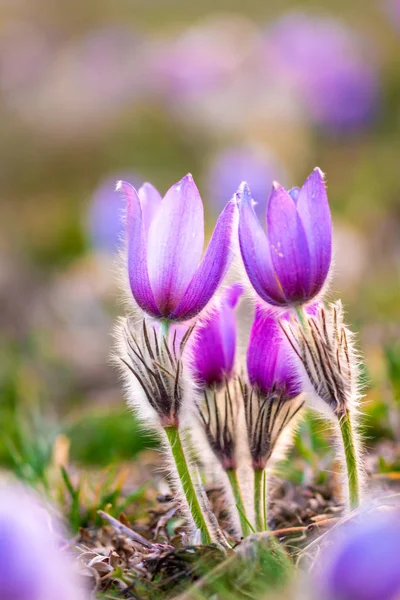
<point x="121" y="528"/>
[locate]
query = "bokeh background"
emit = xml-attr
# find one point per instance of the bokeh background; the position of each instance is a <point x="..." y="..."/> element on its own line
<point x="92" y="92"/>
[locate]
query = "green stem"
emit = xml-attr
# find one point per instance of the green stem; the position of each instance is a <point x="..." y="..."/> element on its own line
<point x="258" y="501"/>
<point x="164" y="328"/>
<point x="302" y="317"/>
<point x="350" y="453"/>
<point x="178" y="453"/>
<point x="233" y="480"/>
<point x="264" y="495"/>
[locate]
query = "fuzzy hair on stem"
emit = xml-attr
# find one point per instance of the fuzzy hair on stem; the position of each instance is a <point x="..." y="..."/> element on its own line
<point x="218" y="414"/>
<point x="157" y="383"/>
<point x="330" y="365"/>
<point x="267" y="417"/>
<point x="329" y="360"/>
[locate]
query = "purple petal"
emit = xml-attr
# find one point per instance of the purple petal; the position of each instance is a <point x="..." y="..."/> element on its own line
<point x="211" y="269"/>
<point x="289" y="247"/>
<point x="269" y="361"/>
<point x="256" y="253"/>
<point x="208" y="350"/>
<point x="150" y="199"/>
<point x="314" y="212"/>
<point x="215" y="340"/>
<point x="175" y="243"/>
<point x="136" y="249"/>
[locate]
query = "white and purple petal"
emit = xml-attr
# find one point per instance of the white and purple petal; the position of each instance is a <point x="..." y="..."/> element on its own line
<point x="314" y="212"/>
<point x="136" y="251"/>
<point x="269" y="362"/>
<point x="211" y="270"/>
<point x="255" y="251"/>
<point x="289" y="247"/>
<point x="214" y="347"/>
<point x="175" y="244"/>
<point x="150" y="200"/>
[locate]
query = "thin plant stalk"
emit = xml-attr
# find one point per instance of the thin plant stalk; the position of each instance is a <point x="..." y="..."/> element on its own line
<point x="350" y="453"/>
<point x="233" y="480"/>
<point x="348" y="437"/>
<point x="182" y="468"/>
<point x="259" y="503"/>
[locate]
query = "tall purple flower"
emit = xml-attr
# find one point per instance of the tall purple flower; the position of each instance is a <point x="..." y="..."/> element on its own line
<point x="165" y="238"/>
<point x="365" y="564"/>
<point x="270" y="365"/>
<point x="32" y="567"/>
<point x="288" y="265"/>
<point x="272" y="398"/>
<point x="215" y="340"/>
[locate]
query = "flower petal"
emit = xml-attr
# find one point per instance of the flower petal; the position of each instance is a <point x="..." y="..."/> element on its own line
<point x="288" y="244"/>
<point x="255" y="251"/>
<point x="313" y="208"/>
<point x="136" y="251"/>
<point x="150" y="199"/>
<point x="175" y="243"/>
<point x="211" y="269"/>
<point x="215" y="339"/>
<point x="269" y="363"/>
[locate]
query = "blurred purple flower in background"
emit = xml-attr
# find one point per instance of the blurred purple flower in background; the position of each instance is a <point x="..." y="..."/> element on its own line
<point x="270" y="365"/>
<point x="365" y="563"/>
<point x="290" y="263"/>
<point x="200" y="59"/>
<point x="32" y="567"/>
<point x="104" y="218"/>
<point x="214" y="343"/>
<point x="168" y="277"/>
<point x="392" y="8"/>
<point x="325" y="63"/>
<point x="242" y="163"/>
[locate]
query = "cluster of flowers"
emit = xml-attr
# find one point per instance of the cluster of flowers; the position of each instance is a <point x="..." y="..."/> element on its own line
<point x="178" y="357"/>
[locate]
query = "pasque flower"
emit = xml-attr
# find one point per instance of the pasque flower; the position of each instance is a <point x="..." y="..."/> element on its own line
<point x="330" y="369"/>
<point x="32" y="565"/>
<point x="165" y="238"/>
<point x="289" y="264"/>
<point x="213" y="355"/>
<point x="273" y="398"/>
<point x="215" y="340"/>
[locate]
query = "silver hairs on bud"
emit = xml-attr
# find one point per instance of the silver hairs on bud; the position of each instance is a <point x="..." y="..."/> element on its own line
<point x="155" y="375"/>
<point x="329" y="360"/>
<point x="267" y="418"/>
<point x="219" y="414"/>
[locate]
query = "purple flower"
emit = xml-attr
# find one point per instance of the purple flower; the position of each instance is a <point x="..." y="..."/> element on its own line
<point x="290" y="264"/>
<point x="324" y="64"/>
<point x="32" y="567"/>
<point x="165" y="238"/>
<point x="214" y="344"/>
<point x="104" y="218"/>
<point x="270" y="364"/>
<point x="365" y="565"/>
<point x="237" y="164"/>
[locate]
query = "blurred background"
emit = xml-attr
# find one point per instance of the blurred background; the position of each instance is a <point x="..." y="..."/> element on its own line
<point x="97" y="91"/>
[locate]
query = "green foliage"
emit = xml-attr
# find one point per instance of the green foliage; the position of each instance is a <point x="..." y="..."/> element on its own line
<point x="103" y="438"/>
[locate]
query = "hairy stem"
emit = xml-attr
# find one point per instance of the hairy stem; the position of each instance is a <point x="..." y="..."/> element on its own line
<point x="182" y="468"/>
<point x="350" y="453"/>
<point x="233" y="480"/>
<point x="259" y="502"/>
